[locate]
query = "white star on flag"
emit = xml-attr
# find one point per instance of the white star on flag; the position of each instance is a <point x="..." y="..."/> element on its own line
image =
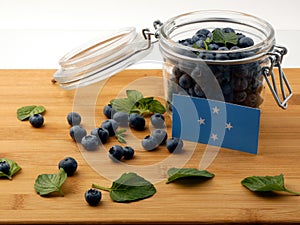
<point x="228" y="126"/>
<point x="201" y="121"/>
<point x="214" y="137"/>
<point x="215" y="110"/>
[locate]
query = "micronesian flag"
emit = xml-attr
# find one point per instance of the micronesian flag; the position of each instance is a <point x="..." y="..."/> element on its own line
<point x="215" y="123"/>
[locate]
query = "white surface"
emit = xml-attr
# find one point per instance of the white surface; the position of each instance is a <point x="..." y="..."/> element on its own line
<point x="36" y="33"/>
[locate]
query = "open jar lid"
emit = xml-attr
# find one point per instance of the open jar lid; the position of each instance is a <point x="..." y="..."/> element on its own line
<point x="100" y="59"/>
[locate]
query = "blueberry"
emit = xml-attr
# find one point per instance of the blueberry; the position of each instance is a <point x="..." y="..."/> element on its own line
<point x="240" y="35"/>
<point x="121" y="118"/>
<point x="203" y="32"/>
<point x="245" y="42"/>
<point x="149" y="143"/>
<point x="200" y="44"/>
<point x="110" y="125"/>
<point x="136" y="121"/>
<point x="198" y="91"/>
<point x="185" y="81"/>
<point x="157" y="120"/>
<point x="128" y="152"/>
<point x="101" y="133"/>
<point x="235" y="55"/>
<point x="174" y="144"/>
<point x="239" y="96"/>
<point x="213" y="46"/>
<point x="109" y="111"/>
<point x="116" y="152"/>
<point x="90" y="142"/>
<point x="93" y="196"/>
<point x="228" y="30"/>
<point x="36" y="120"/>
<point x="221" y="55"/>
<point x="74" y="118"/>
<point x="4" y="167"/>
<point x="69" y="165"/>
<point x="77" y="133"/>
<point x="160" y="135"/>
<point x="240" y="84"/>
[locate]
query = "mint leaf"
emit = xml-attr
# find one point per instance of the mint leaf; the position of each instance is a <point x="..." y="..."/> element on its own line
<point x="136" y="103"/>
<point x="134" y="95"/>
<point x="266" y="183"/>
<point x="121" y="105"/>
<point x="14" y="168"/>
<point x="221" y="37"/>
<point x="179" y="173"/>
<point x="49" y="183"/>
<point x="128" y="188"/>
<point x="157" y="107"/>
<point x="25" y="112"/>
<point x="120" y="135"/>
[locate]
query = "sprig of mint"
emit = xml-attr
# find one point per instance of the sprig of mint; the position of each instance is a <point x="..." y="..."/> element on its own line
<point x="25" y="112"/>
<point x="128" y="188"/>
<point x="137" y="103"/>
<point x="14" y="168"/>
<point x="120" y="135"/>
<point x="221" y="37"/>
<point x="180" y="173"/>
<point x="49" y="183"/>
<point x="266" y="183"/>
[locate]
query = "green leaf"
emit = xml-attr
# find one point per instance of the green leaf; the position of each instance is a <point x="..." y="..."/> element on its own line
<point x="121" y="105"/>
<point x="157" y="107"/>
<point x="178" y="173"/>
<point x="120" y="135"/>
<point x="134" y="95"/>
<point x="129" y="187"/>
<point x="49" y="183"/>
<point x="136" y="103"/>
<point x="266" y="183"/>
<point x="25" y="112"/>
<point x="221" y="37"/>
<point x="14" y="168"/>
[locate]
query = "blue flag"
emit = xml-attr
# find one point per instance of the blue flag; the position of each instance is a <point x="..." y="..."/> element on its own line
<point x="216" y="123"/>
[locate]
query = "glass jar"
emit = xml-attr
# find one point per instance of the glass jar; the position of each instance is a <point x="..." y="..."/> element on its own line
<point x="235" y="75"/>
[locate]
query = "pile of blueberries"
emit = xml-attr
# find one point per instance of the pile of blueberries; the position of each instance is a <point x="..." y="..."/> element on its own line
<point x="240" y="82"/>
<point x="108" y="128"/>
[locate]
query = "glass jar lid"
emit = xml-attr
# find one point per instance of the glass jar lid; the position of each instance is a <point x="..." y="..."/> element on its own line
<point x="99" y="59"/>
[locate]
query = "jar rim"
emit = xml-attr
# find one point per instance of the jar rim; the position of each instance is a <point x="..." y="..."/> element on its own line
<point x="234" y="17"/>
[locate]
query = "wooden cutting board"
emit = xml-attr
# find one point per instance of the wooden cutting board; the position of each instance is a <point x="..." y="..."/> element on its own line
<point x="221" y="200"/>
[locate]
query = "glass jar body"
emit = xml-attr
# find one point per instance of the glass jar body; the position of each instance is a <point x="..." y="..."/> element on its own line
<point x="234" y="76"/>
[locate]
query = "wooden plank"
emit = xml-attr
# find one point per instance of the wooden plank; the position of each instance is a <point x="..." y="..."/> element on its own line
<point x="221" y="200"/>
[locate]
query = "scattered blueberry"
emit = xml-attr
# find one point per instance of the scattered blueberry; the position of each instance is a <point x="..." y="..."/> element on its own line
<point x="121" y="118"/>
<point x="116" y="152"/>
<point x="157" y="120"/>
<point x="160" y="135"/>
<point x="93" y="196"/>
<point x="4" y="167"/>
<point x="36" y="120"/>
<point x="149" y="143"/>
<point x="174" y="144"/>
<point x="77" y="133"/>
<point x="136" y="121"/>
<point x="111" y="126"/>
<point x="90" y="142"/>
<point x="101" y="133"/>
<point x="69" y="165"/>
<point x="74" y="118"/>
<point x="109" y="111"/>
<point x="128" y="152"/>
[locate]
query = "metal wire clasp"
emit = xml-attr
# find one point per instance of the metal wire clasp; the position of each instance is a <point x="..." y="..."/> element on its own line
<point x="275" y="58"/>
<point x="147" y="33"/>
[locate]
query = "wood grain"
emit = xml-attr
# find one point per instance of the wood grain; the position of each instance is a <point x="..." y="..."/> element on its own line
<point x="222" y="200"/>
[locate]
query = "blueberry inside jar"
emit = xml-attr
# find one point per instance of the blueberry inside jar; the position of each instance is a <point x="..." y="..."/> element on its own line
<point x="217" y="55"/>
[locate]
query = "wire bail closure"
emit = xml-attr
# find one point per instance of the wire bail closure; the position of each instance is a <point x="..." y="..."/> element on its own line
<point x="275" y="58"/>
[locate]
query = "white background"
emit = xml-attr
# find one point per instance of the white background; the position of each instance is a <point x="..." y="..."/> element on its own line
<point x="36" y="33"/>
